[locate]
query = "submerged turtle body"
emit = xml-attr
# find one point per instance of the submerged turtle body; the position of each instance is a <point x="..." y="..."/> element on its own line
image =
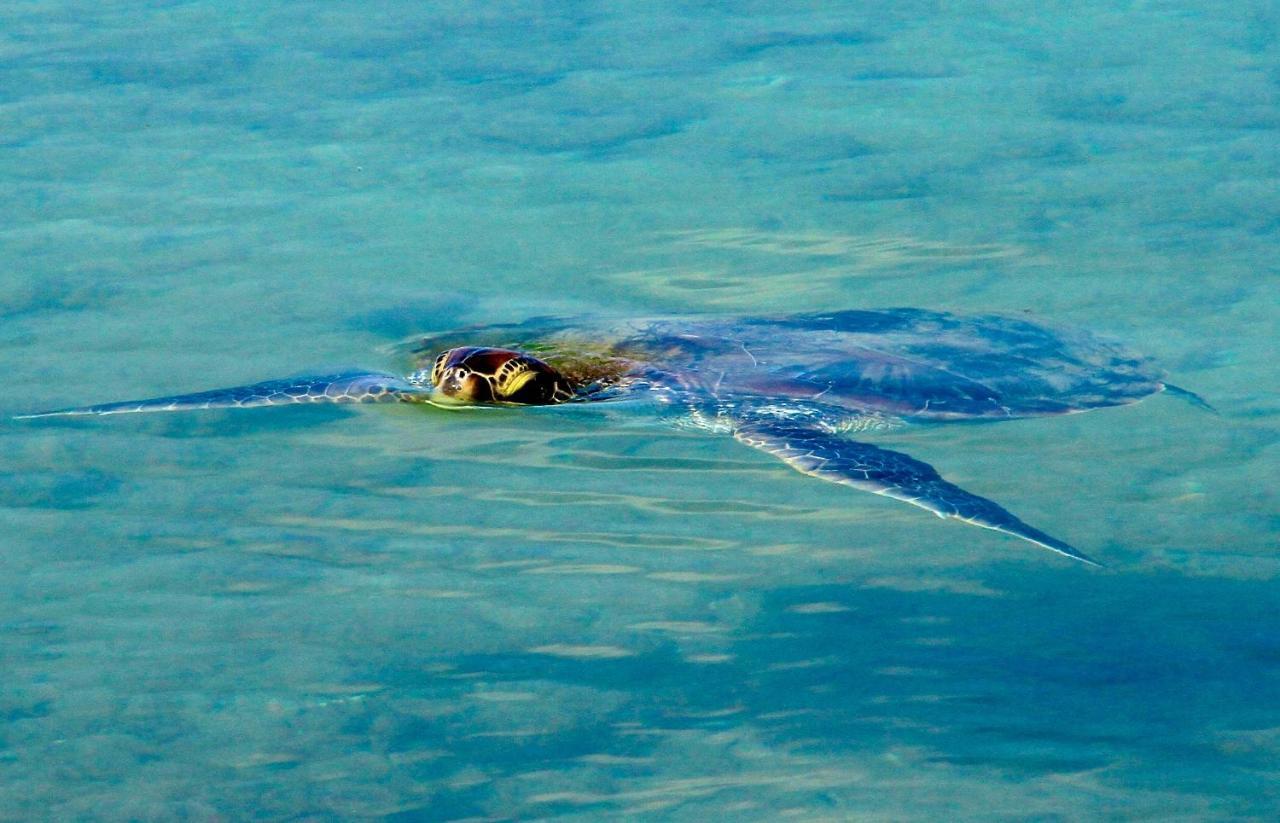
<point x="791" y="385"/>
<point x="908" y="363"/>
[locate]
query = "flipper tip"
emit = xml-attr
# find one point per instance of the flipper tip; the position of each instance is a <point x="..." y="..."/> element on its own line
<point x="1016" y="528"/>
<point x="76" y="412"/>
<point x="1065" y="550"/>
<point x="1088" y="561"/>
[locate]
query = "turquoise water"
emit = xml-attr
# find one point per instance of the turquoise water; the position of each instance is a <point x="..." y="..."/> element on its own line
<point x="404" y="614"/>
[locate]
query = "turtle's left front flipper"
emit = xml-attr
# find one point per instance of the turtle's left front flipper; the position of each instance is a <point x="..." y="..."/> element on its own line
<point x="346" y="387"/>
<point x="893" y="474"/>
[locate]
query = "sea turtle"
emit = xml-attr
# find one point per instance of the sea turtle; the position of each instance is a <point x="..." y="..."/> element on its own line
<point x="795" y="386"/>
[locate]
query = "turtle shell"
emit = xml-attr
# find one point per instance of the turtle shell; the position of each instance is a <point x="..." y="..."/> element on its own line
<point x="905" y="362"/>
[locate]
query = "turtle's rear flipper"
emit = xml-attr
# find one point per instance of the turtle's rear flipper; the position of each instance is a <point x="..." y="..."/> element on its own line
<point x="1189" y="396"/>
<point x="893" y="474"/>
<point x="346" y="387"/>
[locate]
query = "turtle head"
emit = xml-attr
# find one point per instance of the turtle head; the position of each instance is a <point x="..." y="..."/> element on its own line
<point x="472" y="374"/>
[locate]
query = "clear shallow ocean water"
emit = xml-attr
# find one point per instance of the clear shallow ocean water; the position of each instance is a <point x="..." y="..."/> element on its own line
<point x="404" y="614"/>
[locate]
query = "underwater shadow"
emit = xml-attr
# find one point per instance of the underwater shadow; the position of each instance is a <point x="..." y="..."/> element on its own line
<point x="1122" y="675"/>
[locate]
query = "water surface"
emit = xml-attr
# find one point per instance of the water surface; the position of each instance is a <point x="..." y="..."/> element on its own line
<point x="409" y="614"/>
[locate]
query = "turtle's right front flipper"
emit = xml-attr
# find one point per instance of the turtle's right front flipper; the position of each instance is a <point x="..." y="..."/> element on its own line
<point x="346" y="387"/>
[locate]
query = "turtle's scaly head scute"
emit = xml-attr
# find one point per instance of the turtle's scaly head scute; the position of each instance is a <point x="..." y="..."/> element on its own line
<point x="474" y="374"/>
